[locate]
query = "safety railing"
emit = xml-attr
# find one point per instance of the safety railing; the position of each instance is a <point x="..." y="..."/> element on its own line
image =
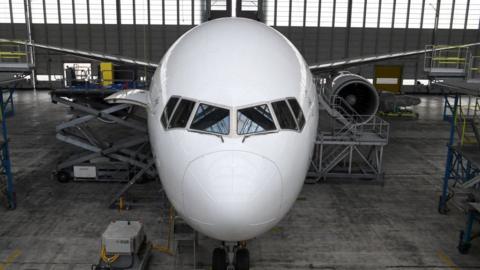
<point x="347" y="124"/>
<point x="345" y="111"/>
<point x="465" y="117"/>
<point x="16" y="53"/>
<point x="453" y="61"/>
<point x="473" y="72"/>
<point x="358" y="125"/>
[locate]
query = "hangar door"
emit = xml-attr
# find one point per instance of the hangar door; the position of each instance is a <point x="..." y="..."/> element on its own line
<point x="388" y="78"/>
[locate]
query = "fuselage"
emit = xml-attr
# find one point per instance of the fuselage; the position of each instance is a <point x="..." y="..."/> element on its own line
<point x="231" y="161"/>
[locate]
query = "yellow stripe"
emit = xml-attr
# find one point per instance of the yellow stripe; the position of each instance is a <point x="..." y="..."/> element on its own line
<point x="448" y="59"/>
<point x="10" y="259"/>
<point x="13" y="53"/>
<point x="10" y="57"/>
<point x="446" y="260"/>
<point x="449" y="62"/>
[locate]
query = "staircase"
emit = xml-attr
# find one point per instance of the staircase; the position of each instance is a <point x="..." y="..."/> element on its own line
<point x="333" y="158"/>
<point x="352" y="145"/>
<point x="467" y="121"/>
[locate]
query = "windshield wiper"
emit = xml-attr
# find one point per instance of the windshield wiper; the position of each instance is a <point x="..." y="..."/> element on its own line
<point x="220" y="136"/>
<point x="258" y="134"/>
<point x="245" y="137"/>
<point x="208" y="133"/>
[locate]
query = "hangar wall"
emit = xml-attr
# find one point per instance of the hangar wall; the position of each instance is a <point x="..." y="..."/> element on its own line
<point x="316" y="44"/>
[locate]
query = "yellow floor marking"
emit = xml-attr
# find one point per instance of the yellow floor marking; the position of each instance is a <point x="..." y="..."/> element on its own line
<point x="446" y="260"/>
<point x="10" y="259"/>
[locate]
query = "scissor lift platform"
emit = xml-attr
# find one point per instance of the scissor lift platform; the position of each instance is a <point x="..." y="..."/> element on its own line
<point x="15" y="58"/>
<point x="103" y="157"/>
<point x="442" y="61"/>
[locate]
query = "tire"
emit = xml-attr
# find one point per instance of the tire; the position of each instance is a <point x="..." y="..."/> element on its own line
<point x="219" y="259"/>
<point x="463" y="248"/>
<point x="63" y="177"/>
<point x="242" y="261"/>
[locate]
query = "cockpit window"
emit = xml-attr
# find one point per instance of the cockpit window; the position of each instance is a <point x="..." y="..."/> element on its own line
<point x="297" y="111"/>
<point x="212" y="119"/>
<point x="182" y="114"/>
<point x="254" y="120"/>
<point x="167" y="112"/>
<point x="284" y="115"/>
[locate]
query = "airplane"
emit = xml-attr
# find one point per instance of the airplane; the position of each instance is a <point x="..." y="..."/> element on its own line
<point x="232" y="112"/>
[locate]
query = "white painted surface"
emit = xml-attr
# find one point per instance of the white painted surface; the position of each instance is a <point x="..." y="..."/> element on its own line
<point x="387" y="80"/>
<point x="84" y="172"/>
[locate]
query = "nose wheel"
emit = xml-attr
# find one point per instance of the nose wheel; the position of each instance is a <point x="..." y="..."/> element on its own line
<point x="242" y="261"/>
<point x="231" y="257"/>
<point x="219" y="259"/>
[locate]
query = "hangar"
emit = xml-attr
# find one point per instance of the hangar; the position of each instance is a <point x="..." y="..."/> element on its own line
<point x="238" y="134"/>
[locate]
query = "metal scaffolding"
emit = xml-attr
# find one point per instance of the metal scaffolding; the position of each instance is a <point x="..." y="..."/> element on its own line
<point x="461" y="181"/>
<point x="7" y="190"/>
<point x="352" y="148"/>
<point x="463" y="158"/>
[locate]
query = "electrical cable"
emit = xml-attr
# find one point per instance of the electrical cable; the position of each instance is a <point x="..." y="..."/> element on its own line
<point x="105" y="258"/>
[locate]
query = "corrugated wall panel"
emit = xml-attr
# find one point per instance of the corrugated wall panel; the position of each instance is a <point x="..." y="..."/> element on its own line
<point x="316" y="44"/>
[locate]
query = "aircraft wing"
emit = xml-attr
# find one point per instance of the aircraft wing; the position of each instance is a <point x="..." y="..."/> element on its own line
<point x="85" y="54"/>
<point x="316" y="68"/>
<point x="345" y="63"/>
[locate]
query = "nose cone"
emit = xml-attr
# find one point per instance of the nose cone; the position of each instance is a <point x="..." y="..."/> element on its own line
<point x="232" y="195"/>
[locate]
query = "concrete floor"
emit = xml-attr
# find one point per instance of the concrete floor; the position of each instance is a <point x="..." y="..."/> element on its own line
<point x="332" y="226"/>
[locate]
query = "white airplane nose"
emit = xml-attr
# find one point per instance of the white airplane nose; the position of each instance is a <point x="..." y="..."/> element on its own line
<point x="232" y="195"/>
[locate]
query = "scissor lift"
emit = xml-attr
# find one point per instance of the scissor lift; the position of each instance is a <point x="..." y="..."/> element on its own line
<point x="102" y="158"/>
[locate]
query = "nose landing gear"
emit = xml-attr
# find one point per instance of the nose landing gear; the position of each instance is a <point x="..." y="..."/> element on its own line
<point x="231" y="256"/>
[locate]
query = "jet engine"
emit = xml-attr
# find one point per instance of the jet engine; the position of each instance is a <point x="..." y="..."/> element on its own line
<point x="351" y="95"/>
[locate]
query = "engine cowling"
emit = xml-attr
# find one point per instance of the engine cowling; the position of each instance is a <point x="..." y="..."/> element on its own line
<point x="357" y="96"/>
